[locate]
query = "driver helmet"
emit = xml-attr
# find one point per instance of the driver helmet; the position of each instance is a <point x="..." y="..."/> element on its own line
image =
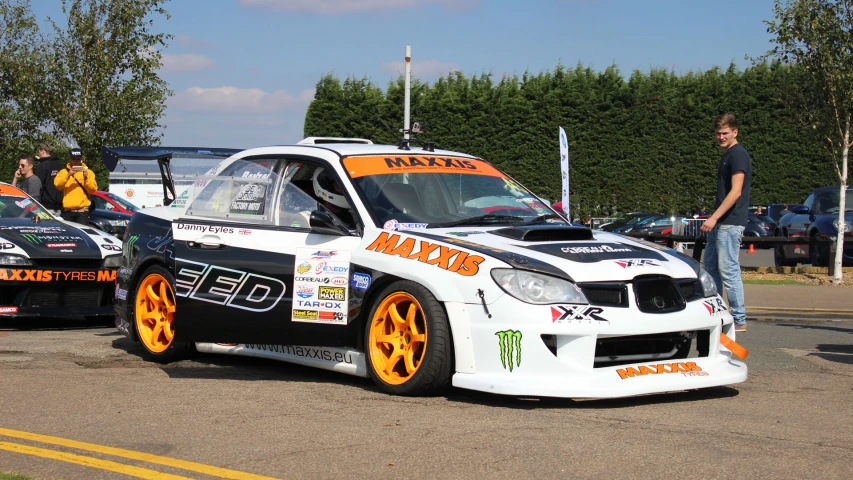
<point x="324" y="188"/>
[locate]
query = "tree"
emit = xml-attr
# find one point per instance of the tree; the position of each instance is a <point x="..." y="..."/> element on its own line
<point x="21" y="64"/>
<point x="102" y="86"/>
<point x="815" y="38"/>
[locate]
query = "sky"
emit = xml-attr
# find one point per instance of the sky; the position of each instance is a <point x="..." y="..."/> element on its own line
<point x="243" y="71"/>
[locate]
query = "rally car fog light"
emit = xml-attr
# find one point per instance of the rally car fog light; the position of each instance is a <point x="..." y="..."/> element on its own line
<point x="537" y="289"/>
<point x="14" y="260"/>
<point x="113" y="261"/>
<point x="709" y="287"/>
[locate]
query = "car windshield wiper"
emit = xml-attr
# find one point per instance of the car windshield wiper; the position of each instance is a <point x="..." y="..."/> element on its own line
<point x="539" y="219"/>
<point x="488" y="218"/>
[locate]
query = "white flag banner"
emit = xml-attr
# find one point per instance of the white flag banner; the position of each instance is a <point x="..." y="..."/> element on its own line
<point x="564" y="168"/>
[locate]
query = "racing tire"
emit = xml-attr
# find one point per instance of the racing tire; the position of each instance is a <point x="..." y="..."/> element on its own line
<point x="153" y="316"/>
<point x="408" y="344"/>
<point x="779" y="258"/>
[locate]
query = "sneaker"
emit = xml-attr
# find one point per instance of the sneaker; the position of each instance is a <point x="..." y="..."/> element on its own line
<point x="740" y="327"/>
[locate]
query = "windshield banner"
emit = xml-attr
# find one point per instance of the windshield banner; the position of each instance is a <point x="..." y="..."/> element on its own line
<point x="365" y="166"/>
<point x="564" y="169"/>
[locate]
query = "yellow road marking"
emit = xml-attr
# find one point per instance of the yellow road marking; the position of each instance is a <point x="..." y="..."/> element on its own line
<point x="138" y="472"/>
<point x="144" y="457"/>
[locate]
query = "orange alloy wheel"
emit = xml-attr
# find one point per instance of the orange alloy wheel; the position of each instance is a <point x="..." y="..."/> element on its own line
<point x="155" y="312"/>
<point x="398" y="338"/>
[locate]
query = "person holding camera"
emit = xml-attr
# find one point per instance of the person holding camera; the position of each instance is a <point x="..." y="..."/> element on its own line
<point x="76" y="182"/>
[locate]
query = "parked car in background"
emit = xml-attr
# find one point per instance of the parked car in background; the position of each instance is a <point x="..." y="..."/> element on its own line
<point x="629" y="219"/>
<point x="110" y="221"/>
<point x="817" y="218"/>
<point x="758" y="226"/>
<point x="778" y="210"/>
<point x="112" y="202"/>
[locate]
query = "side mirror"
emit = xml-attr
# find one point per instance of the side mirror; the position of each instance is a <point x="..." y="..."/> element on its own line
<point x="322" y="222"/>
<point x="800" y="209"/>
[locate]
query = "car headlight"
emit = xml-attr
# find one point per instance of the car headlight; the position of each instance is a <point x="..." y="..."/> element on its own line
<point x="14" y="260"/>
<point x="537" y="289"/>
<point x="848" y="227"/>
<point x="118" y="223"/>
<point x="113" y="261"/>
<point x="709" y="286"/>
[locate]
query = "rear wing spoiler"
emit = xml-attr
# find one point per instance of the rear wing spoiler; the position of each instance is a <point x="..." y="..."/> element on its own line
<point x="163" y="155"/>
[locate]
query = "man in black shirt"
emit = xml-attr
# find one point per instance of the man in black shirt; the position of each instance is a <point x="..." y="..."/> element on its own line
<point x="727" y="223"/>
<point x="46" y="170"/>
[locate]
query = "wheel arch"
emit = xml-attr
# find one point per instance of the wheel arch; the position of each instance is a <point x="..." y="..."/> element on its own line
<point x="372" y="296"/>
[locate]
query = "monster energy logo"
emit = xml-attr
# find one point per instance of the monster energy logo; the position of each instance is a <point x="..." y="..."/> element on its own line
<point x="510" y="341"/>
<point x="31" y="237"/>
<point x="131" y="241"/>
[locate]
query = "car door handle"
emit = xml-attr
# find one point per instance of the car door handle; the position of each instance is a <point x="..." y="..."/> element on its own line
<point x="207" y="242"/>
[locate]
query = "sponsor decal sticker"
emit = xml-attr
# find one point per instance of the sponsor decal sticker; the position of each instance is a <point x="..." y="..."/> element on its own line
<point x="637" y="263"/>
<point x="423" y="251"/>
<point x="332" y="293"/>
<point x="132" y="241"/>
<point x="244" y="231"/>
<point x="715" y="306"/>
<point x="395" y="225"/>
<point x="304" y="314"/>
<point x="32" y="238"/>
<point x="61" y="245"/>
<point x="129" y="193"/>
<point x="464" y="234"/>
<point x="363" y="166"/>
<point x="687" y="369"/>
<point x="330" y="303"/>
<point x="305" y="291"/>
<point x="120" y="294"/>
<point x="28" y="275"/>
<point x="111" y="247"/>
<point x="510" y="346"/>
<point x="570" y="313"/>
<point x="318" y="353"/>
<point x="24" y="202"/>
<point x="361" y="281"/>
<point x="226" y="286"/>
<point x="604" y="248"/>
<point x="8" y="310"/>
<point x="6" y="246"/>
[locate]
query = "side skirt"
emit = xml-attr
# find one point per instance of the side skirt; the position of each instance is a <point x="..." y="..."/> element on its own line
<point x="343" y="360"/>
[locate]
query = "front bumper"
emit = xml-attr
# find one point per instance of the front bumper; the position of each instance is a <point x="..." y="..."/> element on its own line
<point x="522" y="350"/>
<point x="56" y="293"/>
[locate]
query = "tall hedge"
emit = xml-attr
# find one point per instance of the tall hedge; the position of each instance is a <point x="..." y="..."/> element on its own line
<point x="644" y="142"/>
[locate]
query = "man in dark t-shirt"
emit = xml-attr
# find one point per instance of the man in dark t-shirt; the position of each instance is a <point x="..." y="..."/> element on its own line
<point x="46" y="170"/>
<point x="727" y="223"/>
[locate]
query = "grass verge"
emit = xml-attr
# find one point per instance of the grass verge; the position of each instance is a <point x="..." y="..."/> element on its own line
<point x="11" y="476"/>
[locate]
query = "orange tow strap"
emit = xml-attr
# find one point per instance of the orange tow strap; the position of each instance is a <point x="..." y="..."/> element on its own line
<point x="733" y="347"/>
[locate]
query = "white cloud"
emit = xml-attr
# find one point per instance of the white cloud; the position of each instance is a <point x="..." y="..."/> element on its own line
<point x="424" y="68"/>
<point x="194" y="43"/>
<point x="239" y="100"/>
<point x="187" y="62"/>
<point x="349" y="6"/>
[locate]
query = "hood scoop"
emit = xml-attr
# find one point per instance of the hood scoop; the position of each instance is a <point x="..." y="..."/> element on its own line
<point x="544" y="233"/>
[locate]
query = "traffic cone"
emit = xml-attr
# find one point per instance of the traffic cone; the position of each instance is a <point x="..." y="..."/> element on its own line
<point x="751" y="248"/>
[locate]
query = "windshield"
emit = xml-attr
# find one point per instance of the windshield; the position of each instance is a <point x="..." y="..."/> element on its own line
<point x="21" y="207"/>
<point x="122" y="202"/>
<point x="428" y="192"/>
<point x="828" y="202"/>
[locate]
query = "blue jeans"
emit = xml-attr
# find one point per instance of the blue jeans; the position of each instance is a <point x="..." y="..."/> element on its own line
<point x="722" y="263"/>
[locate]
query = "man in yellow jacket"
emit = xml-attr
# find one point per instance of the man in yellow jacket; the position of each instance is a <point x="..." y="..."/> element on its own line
<point x="76" y="183"/>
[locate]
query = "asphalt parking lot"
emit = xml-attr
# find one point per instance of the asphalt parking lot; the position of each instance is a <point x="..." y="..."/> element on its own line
<point x="234" y="417"/>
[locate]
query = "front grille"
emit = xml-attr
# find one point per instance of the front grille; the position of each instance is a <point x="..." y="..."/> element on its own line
<point x="636" y="348"/>
<point x="606" y="294"/>
<point x="690" y="289"/>
<point x="65" y="297"/>
<point x="657" y="295"/>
